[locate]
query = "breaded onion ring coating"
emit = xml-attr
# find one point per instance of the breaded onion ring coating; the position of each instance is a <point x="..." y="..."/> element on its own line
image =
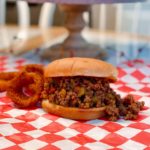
<point x="17" y="92"/>
<point x="37" y="68"/>
<point x="7" y="75"/>
<point x="5" y="78"/>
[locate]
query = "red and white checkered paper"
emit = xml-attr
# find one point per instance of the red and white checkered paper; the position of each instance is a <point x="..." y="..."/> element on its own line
<point x="35" y="129"/>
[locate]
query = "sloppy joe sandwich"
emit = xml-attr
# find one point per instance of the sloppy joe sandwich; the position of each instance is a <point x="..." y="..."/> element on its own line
<point x="78" y="88"/>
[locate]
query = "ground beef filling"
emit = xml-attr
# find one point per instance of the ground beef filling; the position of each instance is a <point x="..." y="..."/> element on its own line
<point x="90" y="92"/>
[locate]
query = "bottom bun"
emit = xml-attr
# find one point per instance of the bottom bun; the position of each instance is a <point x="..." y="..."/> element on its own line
<point x="73" y="113"/>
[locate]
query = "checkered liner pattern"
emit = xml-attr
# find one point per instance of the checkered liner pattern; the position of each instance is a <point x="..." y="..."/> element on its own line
<point x="34" y="129"/>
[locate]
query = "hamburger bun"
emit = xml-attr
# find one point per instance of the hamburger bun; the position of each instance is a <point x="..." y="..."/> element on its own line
<point x="73" y="113"/>
<point x="81" y="67"/>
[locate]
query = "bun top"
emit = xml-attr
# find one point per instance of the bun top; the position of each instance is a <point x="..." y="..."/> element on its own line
<point x="76" y="66"/>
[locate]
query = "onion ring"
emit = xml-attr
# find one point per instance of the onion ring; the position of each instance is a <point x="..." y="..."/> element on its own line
<point x="16" y="89"/>
<point x="36" y="68"/>
<point x="5" y="78"/>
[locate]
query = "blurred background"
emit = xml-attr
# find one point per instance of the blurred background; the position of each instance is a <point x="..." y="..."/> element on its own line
<point x="119" y="27"/>
<point x="133" y="17"/>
